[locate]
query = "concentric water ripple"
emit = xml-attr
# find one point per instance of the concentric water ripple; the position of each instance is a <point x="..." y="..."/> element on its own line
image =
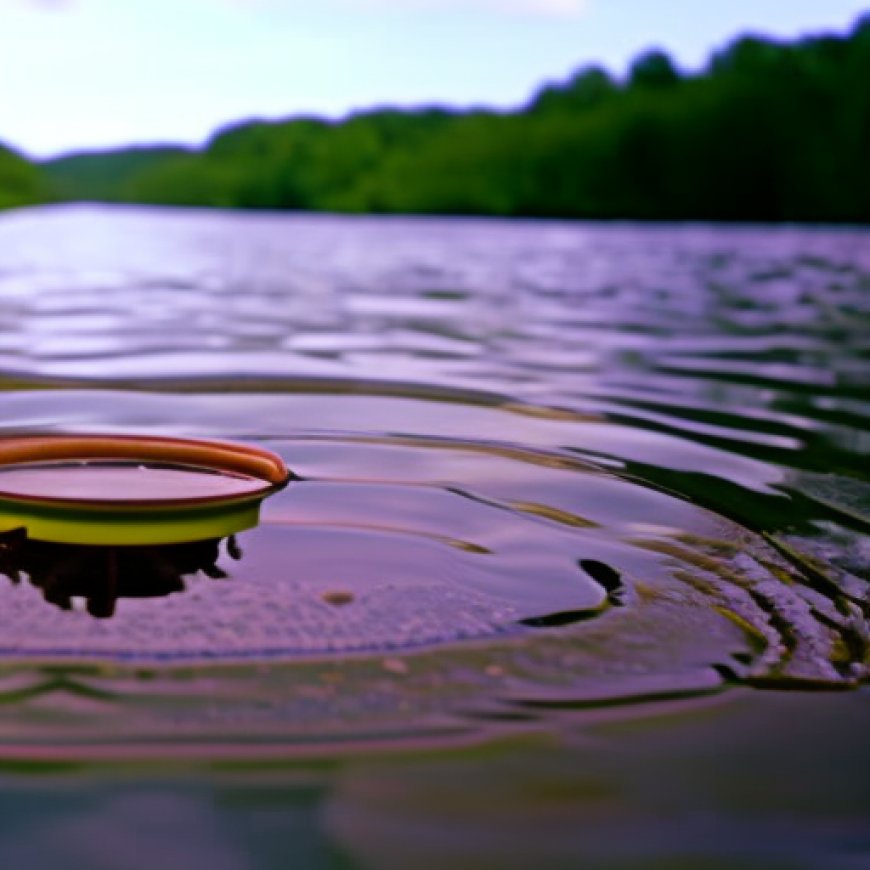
<point x="540" y="466"/>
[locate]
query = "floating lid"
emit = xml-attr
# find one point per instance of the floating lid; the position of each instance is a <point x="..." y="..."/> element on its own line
<point x="120" y="490"/>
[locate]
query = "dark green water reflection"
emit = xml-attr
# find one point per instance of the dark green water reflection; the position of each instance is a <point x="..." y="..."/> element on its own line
<point x="743" y="780"/>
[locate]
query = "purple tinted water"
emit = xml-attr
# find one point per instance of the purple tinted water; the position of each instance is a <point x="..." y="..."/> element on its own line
<point x="549" y="473"/>
<point x="112" y="481"/>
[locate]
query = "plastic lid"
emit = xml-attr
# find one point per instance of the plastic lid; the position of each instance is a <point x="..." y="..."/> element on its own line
<point x="128" y="490"/>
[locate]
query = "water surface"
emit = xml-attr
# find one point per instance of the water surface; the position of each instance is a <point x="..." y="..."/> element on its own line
<point x="545" y="471"/>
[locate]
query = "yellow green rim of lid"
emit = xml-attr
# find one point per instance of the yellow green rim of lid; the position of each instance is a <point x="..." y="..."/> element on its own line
<point x="128" y="522"/>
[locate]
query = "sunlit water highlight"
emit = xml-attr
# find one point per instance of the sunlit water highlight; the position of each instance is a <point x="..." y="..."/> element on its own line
<point x="541" y="466"/>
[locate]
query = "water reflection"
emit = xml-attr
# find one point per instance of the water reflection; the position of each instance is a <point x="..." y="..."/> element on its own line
<point x="102" y="575"/>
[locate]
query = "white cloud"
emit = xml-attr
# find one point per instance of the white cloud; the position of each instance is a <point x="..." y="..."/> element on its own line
<point x="568" y="8"/>
<point x="539" y="8"/>
<point x="39" y="4"/>
<point x="559" y="8"/>
<point x="542" y="8"/>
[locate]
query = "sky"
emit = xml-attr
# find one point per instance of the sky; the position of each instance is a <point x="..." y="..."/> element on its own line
<point x="80" y="74"/>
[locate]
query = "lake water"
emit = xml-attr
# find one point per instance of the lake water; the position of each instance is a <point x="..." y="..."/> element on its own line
<point x="574" y="570"/>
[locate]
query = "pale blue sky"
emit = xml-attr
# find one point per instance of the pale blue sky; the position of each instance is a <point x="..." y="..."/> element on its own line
<point x="95" y="73"/>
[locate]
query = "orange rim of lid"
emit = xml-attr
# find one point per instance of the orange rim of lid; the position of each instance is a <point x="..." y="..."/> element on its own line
<point x="215" y="455"/>
<point x="131" y="521"/>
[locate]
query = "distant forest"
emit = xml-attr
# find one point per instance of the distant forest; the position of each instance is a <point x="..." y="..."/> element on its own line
<point x="768" y="131"/>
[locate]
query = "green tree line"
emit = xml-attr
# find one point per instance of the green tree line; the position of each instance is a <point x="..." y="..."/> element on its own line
<point x="21" y="183"/>
<point x="768" y="131"/>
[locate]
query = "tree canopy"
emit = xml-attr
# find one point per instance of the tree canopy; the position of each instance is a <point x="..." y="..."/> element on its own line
<point x="20" y="181"/>
<point x="767" y="131"/>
